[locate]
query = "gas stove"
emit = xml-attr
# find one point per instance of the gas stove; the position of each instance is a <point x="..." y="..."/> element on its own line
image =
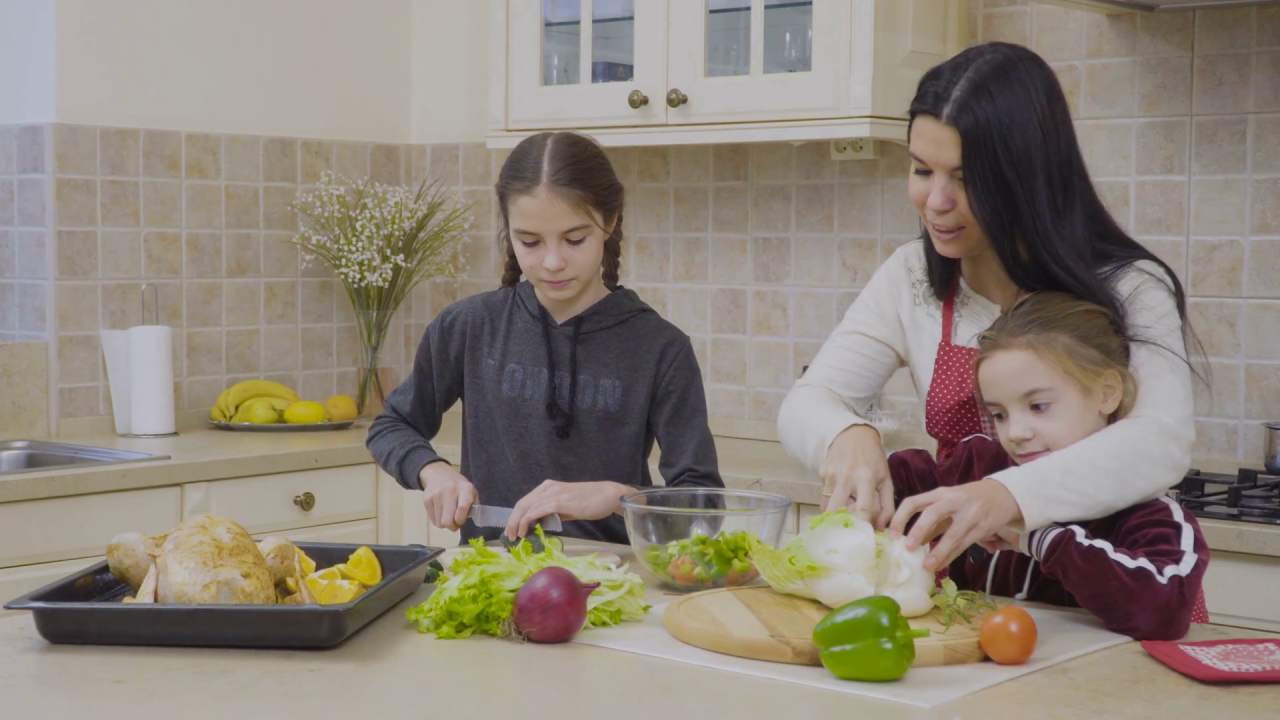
<point x="1248" y="496"/>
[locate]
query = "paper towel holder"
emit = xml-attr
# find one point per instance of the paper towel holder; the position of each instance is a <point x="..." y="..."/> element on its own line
<point x="142" y="319"/>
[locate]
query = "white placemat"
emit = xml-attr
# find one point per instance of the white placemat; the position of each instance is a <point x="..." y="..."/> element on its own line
<point x="1063" y="635"/>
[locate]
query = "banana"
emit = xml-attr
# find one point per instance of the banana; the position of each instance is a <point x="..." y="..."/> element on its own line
<point x="246" y="390"/>
<point x="220" y="411"/>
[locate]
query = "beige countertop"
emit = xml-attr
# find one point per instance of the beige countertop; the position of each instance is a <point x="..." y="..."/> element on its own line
<point x="205" y="453"/>
<point x="388" y="670"/>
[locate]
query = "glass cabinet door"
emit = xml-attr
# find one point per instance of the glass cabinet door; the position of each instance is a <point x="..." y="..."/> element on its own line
<point x="730" y="60"/>
<point x="586" y="63"/>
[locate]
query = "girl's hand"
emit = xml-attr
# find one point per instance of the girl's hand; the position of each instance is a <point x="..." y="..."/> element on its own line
<point x="569" y="500"/>
<point x="447" y="495"/>
<point x="963" y="515"/>
<point x="856" y="475"/>
<point x="1004" y="539"/>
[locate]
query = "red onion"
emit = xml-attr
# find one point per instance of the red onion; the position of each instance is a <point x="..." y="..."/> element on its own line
<point x="551" y="606"/>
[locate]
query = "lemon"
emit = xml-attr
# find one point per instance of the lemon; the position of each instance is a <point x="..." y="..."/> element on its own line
<point x="308" y="565"/>
<point x="318" y="582"/>
<point x="341" y="591"/>
<point x="341" y="408"/>
<point x="304" y="412"/>
<point x="363" y="567"/>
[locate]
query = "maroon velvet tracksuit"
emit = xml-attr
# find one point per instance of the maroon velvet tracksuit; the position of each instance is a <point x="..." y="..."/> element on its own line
<point x="1138" y="570"/>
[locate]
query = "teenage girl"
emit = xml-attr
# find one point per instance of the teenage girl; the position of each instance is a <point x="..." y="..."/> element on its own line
<point x="566" y="377"/>
<point x="1052" y="372"/>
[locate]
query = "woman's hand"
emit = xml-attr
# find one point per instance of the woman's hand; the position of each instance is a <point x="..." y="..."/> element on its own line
<point x="447" y="495"/>
<point x="569" y="500"/>
<point x="963" y="515"/>
<point x="856" y="475"/>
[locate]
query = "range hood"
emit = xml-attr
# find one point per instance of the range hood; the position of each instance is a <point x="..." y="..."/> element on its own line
<point x="1159" y="5"/>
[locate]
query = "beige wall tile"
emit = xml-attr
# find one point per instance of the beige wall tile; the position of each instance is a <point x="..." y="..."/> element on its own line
<point x="692" y="209"/>
<point x="444" y="164"/>
<point x="1165" y="33"/>
<point x="8" y="150"/>
<point x="1222" y="396"/>
<point x="690" y="309"/>
<point x="814" y="163"/>
<point x="1164" y="86"/>
<point x="803" y="353"/>
<point x="161" y="154"/>
<point x="729" y="311"/>
<point x="79" y="357"/>
<point x="1110" y="36"/>
<point x="33" y="307"/>
<point x="316" y="159"/>
<point x="1218" y="206"/>
<point x="77" y="253"/>
<point x="1268" y="27"/>
<point x="771" y="259"/>
<point x="351" y="161"/>
<point x="385" y="164"/>
<point x="728" y="361"/>
<point x="347" y="341"/>
<point x="772" y="163"/>
<point x="730" y="260"/>
<point x="813" y="261"/>
<point x="280" y="350"/>
<point x="653" y="164"/>
<point x="1264" y="203"/>
<point x="1108" y="147"/>
<point x="1262" y="401"/>
<point x="120" y="203"/>
<point x="1222" y="83"/>
<point x="161" y="254"/>
<point x="75" y="150"/>
<point x="1173" y="251"/>
<point x="242" y="303"/>
<point x="202" y="207"/>
<point x="730" y="209"/>
<point x="1057" y="33"/>
<point x="1216" y="439"/>
<point x="8" y="307"/>
<point x="770" y="313"/>
<point x="204" y="303"/>
<point x="203" y="254"/>
<point x="161" y="204"/>
<point x="1071" y="78"/>
<point x="280" y="302"/>
<point x="1224" y="30"/>
<point x="477" y="252"/>
<point x="651" y="208"/>
<point x="317" y="347"/>
<point x="30" y="144"/>
<point x="8" y="202"/>
<point x="315" y="304"/>
<point x="763" y="405"/>
<point x="120" y="309"/>
<point x="771" y="208"/>
<point x="317" y="384"/>
<point x="204" y="353"/>
<point x="815" y="208"/>
<point x="202" y="392"/>
<point x="77" y="402"/>
<point x="727" y="402"/>
<point x="32" y="254"/>
<point x="1115" y="196"/>
<point x="280" y="160"/>
<point x="476" y="165"/>
<point x="898" y="216"/>
<point x="76" y="200"/>
<point x="120" y="152"/>
<point x="1161" y="146"/>
<point x="770" y="364"/>
<point x="77" y="305"/>
<point x="730" y="163"/>
<point x="244" y="351"/>
<point x="1263" y="268"/>
<point x="650" y="259"/>
<point x="276" y="214"/>
<point x="1261" y="341"/>
<point x="202" y="155"/>
<point x="856" y="261"/>
<point x="8" y="254"/>
<point x="171" y="311"/>
<point x="813" y="314"/>
<point x="242" y="158"/>
<point x="121" y="253"/>
<point x="242" y="254"/>
<point x="32" y="206"/>
<point x="1264" y="143"/>
<point x="691" y="164"/>
<point x="482" y="208"/>
<point x="689" y="259"/>
<point x="1160" y="207"/>
<point x="243" y="206"/>
<point x="1011" y="25"/>
<point x="279" y="255"/>
<point x="1219" y="145"/>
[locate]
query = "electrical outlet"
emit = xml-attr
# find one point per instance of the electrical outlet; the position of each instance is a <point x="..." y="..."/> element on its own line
<point x="855" y="149"/>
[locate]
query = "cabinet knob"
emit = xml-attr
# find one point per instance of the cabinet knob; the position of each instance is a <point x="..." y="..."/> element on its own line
<point x="306" y="501"/>
<point x="675" y="98"/>
<point x="637" y="99"/>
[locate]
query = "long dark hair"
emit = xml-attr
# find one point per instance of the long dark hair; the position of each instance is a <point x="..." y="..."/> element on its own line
<point x="1026" y="180"/>
<point x="574" y="167"/>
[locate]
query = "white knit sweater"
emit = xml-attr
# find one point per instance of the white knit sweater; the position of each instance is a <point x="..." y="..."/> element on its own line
<point x="897" y="321"/>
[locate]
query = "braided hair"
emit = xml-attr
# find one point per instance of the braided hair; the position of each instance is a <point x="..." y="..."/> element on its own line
<point x="574" y="167"/>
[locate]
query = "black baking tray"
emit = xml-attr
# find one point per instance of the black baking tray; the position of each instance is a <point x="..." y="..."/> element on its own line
<point x="85" y="608"/>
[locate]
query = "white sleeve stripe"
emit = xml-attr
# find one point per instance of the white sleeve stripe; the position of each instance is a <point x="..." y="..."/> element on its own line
<point x="1043" y="537"/>
<point x="1186" y="544"/>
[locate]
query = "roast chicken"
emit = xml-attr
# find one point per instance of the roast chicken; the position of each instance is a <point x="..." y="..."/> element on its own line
<point x="207" y="559"/>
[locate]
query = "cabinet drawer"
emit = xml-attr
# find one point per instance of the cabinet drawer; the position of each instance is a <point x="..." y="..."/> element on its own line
<point x="363" y="532"/>
<point x="18" y="581"/>
<point x="1240" y="590"/>
<point x="269" y="503"/>
<point x="80" y="526"/>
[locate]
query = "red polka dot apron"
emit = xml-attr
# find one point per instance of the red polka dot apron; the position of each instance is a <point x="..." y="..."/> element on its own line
<point x="951" y="411"/>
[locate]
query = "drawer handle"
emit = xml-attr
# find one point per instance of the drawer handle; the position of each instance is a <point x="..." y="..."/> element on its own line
<point x="675" y="98"/>
<point x="306" y="501"/>
<point x="637" y="99"/>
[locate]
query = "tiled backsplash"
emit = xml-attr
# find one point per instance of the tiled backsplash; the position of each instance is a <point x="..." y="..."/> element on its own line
<point x="755" y="251"/>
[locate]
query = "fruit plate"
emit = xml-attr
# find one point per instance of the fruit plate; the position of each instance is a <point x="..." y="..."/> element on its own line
<point x="84" y="608"/>
<point x="282" y="427"/>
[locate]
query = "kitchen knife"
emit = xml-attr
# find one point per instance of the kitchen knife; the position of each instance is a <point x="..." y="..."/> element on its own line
<point x="490" y="516"/>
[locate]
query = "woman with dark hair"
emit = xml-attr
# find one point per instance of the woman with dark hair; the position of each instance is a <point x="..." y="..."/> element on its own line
<point x="1007" y="208"/>
<point x="566" y="377"/>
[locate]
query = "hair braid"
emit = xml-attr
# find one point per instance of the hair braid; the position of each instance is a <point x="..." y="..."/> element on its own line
<point x="613" y="256"/>
<point x="511" y="270"/>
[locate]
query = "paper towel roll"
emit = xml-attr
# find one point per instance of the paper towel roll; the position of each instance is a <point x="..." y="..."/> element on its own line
<point x="151" y="408"/>
<point x="115" y="349"/>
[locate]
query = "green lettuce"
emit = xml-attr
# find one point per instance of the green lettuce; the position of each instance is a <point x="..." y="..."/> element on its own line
<point x="480" y="592"/>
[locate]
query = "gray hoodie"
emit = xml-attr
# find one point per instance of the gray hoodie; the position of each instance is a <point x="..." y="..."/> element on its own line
<point x="634" y="379"/>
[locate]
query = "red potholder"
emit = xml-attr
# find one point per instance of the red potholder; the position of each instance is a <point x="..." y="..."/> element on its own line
<point x="1254" y="660"/>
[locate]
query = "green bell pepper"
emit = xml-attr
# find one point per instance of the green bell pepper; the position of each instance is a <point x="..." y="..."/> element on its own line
<point x="867" y="639"/>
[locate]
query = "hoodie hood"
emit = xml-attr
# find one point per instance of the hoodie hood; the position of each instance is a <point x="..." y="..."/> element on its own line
<point x="615" y="308"/>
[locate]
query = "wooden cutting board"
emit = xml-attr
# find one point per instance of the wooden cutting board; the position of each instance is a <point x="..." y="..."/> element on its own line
<point x="759" y="623"/>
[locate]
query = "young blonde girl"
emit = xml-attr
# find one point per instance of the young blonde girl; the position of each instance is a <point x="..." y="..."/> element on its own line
<point x="566" y="377"/>
<point x="1053" y="371"/>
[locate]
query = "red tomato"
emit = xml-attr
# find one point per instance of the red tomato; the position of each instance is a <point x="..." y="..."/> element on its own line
<point x="1008" y="635"/>
<point x="682" y="568"/>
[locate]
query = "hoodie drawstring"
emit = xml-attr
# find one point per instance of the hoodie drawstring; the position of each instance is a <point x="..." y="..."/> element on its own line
<point x="1026" y="583"/>
<point x="562" y="418"/>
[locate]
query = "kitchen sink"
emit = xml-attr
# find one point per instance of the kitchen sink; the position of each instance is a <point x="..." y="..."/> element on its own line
<point x="19" y="456"/>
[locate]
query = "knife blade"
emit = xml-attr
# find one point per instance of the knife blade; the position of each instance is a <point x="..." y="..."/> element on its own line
<point x="491" y="516"/>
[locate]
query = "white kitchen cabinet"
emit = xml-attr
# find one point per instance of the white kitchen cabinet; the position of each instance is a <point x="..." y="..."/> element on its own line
<point x="80" y="526"/>
<point x="361" y="532"/>
<point x="1240" y="590"/>
<point x="663" y="72"/>
<point x="288" y="501"/>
